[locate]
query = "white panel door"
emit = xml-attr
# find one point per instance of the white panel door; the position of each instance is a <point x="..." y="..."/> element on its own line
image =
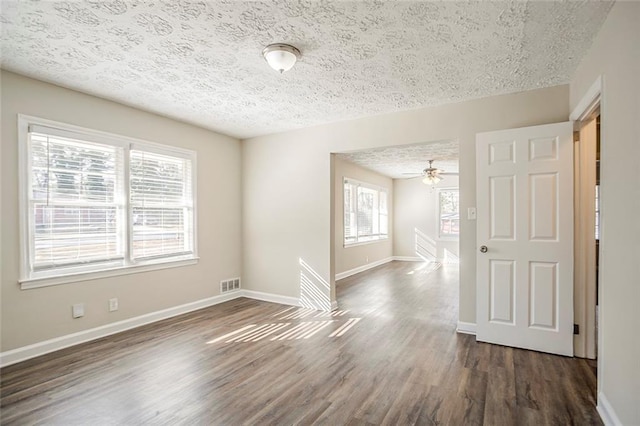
<point x="525" y="238"/>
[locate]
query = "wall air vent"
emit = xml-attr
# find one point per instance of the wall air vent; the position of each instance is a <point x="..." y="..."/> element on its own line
<point x="230" y="284"/>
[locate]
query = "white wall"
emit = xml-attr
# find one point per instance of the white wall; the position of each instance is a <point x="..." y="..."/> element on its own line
<point x="348" y="258"/>
<point x="416" y="220"/>
<point x="615" y="55"/>
<point x="30" y="316"/>
<point x="288" y="184"/>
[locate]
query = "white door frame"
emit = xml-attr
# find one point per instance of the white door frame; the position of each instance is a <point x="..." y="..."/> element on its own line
<point x="584" y="294"/>
<point x="584" y="239"/>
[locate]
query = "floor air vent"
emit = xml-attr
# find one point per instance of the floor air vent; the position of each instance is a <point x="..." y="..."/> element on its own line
<point x="229" y="285"/>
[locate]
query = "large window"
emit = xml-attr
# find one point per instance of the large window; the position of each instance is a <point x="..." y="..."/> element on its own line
<point x="448" y="213"/>
<point x="99" y="202"/>
<point x="365" y="212"/>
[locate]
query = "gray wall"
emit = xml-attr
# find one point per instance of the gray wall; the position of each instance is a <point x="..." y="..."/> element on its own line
<point x="615" y="55"/>
<point x="348" y="258"/>
<point x="35" y="315"/>
<point x="416" y="218"/>
<point x="288" y="210"/>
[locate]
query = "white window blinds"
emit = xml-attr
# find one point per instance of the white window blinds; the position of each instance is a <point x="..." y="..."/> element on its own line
<point x="75" y="201"/>
<point x="95" y="202"/>
<point x="350" y="213"/>
<point x="365" y="212"/>
<point x="161" y="205"/>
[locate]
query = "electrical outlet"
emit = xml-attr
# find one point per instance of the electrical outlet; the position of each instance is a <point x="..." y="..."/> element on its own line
<point x="113" y="304"/>
<point x="77" y="310"/>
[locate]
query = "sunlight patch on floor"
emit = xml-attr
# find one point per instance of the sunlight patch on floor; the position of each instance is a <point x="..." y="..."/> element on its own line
<point x="281" y="331"/>
<point x="304" y="330"/>
<point x="284" y="311"/>
<point x="337" y="313"/>
<point x="230" y="334"/>
<point x="345" y="327"/>
<point x="426" y="268"/>
<point x="299" y="314"/>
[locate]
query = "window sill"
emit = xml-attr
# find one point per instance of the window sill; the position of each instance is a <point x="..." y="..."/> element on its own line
<point x="364" y="243"/>
<point x="30" y="283"/>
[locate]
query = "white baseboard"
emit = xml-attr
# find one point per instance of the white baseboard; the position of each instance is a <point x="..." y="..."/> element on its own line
<point x="270" y="297"/>
<point x="41" y="348"/>
<point x="607" y="414"/>
<point x="363" y="268"/>
<point x="466" y="327"/>
<point x="334" y="305"/>
<point x="410" y="259"/>
<point x="31" y="351"/>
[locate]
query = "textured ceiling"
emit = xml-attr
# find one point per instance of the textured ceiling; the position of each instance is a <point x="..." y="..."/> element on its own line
<point x="200" y="61"/>
<point x="397" y="161"/>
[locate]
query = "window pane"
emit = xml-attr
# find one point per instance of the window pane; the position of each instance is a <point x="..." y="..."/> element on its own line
<point x="158" y="232"/>
<point x="81" y="215"/>
<point x="384" y="217"/>
<point x="161" y="203"/>
<point x="68" y="235"/>
<point x="64" y="169"/>
<point x="449" y="214"/>
<point x="75" y="212"/>
<point x="350" y="225"/>
<point x="365" y="213"/>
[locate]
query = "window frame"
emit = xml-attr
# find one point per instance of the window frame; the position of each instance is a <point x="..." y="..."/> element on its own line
<point x="34" y="279"/>
<point x="446" y="237"/>
<point x="373" y="187"/>
<point x="188" y="155"/>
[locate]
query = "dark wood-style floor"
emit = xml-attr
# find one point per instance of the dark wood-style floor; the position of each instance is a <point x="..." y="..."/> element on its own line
<point x="390" y="355"/>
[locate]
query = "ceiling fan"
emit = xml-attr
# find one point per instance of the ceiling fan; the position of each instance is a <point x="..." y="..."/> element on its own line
<point x="431" y="175"/>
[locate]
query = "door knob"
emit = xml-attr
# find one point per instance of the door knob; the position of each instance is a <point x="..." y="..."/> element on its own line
<point x="483" y="249"/>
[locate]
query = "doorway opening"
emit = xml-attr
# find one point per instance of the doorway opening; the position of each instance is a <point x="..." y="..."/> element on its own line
<point x="416" y="222"/>
<point x="587" y="233"/>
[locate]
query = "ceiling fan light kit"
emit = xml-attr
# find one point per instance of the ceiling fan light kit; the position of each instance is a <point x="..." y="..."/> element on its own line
<point x="431" y="175"/>
<point x="431" y="180"/>
<point x="281" y="57"/>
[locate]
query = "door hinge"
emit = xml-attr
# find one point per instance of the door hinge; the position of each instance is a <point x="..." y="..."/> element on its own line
<point x="576" y="329"/>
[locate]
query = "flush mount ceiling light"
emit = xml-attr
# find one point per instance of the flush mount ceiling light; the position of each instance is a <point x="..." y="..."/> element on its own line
<point x="281" y="57"/>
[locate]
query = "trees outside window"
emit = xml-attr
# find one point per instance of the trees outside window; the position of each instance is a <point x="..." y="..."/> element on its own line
<point x="96" y="202"/>
<point x="365" y="212"/>
<point x="448" y="213"/>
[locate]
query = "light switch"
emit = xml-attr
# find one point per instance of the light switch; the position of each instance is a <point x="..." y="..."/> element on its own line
<point x="471" y="213"/>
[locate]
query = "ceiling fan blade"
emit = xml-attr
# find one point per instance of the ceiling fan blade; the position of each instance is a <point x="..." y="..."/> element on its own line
<point x="429" y="171"/>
